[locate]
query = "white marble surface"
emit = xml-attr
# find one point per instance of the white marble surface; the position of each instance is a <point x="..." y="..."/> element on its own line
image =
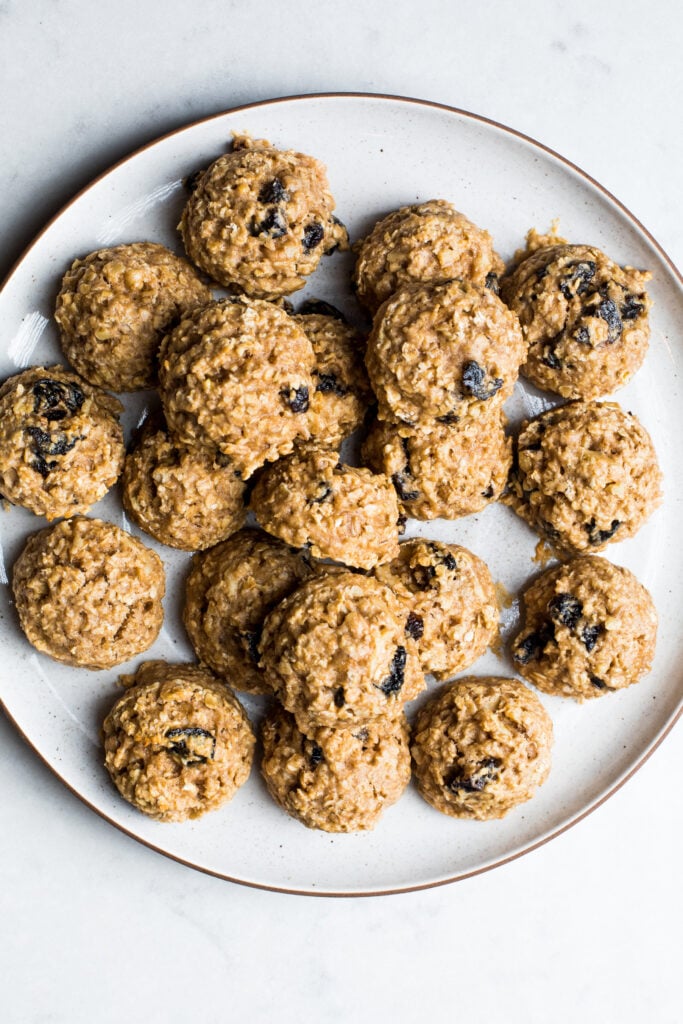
<point x="95" y="928"/>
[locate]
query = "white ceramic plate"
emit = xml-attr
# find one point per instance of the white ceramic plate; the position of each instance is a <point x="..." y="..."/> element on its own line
<point x="381" y="152"/>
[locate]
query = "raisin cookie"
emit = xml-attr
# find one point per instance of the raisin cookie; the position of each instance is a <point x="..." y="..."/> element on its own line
<point x="584" y="318"/>
<point x="178" y="743"/>
<point x="450" y="599"/>
<point x="449" y="471"/>
<point x="337" y="653"/>
<point x="440" y="352"/>
<point x="236" y="375"/>
<point x="259" y="219"/>
<point x="61" y="443"/>
<point x="586" y="474"/>
<point x="115" y="305"/>
<point x="481" y="747"/>
<point x="311" y="499"/>
<point x="229" y="591"/>
<point x="336" y="780"/>
<point x="88" y="594"/>
<point x="589" y="627"/>
<point x="186" y="497"/>
<point x="425" y="242"/>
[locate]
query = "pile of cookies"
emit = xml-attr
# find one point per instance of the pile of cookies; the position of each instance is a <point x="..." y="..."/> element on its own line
<point x="323" y="609"/>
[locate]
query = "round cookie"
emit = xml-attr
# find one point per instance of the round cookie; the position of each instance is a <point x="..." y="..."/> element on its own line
<point x="61" y="443"/>
<point x="336" y="780"/>
<point x="259" y="219"/>
<point x="310" y="499"/>
<point x="450" y="599"/>
<point x="186" y="497"/>
<point x="236" y="375"/>
<point x="114" y="307"/>
<point x="584" y="318"/>
<point x="178" y="743"/>
<point x="450" y="471"/>
<point x="425" y="242"/>
<point x="440" y="352"/>
<point x="481" y="747"/>
<point x="589" y="627"/>
<point x="586" y="474"/>
<point x="341" y="390"/>
<point x="229" y="591"/>
<point x="337" y="653"/>
<point x="88" y="594"/>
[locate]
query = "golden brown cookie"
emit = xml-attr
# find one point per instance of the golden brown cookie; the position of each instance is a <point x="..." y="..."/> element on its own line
<point x="114" y="307"/>
<point x="259" y="219"/>
<point x="88" y="594"/>
<point x="481" y="746"/>
<point x="178" y="743"/>
<point x="61" y="443"/>
<point x="589" y="628"/>
<point x="337" y="780"/>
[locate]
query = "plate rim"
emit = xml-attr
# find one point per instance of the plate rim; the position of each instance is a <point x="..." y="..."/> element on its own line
<point x="678" y="276"/>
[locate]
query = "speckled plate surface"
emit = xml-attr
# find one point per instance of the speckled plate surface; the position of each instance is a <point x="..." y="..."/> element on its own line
<point x="381" y="152"/>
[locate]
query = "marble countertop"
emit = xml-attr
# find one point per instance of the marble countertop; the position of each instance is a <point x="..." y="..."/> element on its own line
<point x="97" y="928"/>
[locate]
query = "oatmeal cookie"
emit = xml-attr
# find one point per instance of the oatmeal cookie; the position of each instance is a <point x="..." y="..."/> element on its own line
<point x="88" y="594"/>
<point x="440" y="352"/>
<point x="586" y="474"/>
<point x="341" y="390"/>
<point x="584" y="319"/>
<point x="61" y="443"/>
<point x="230" y="590"/>
<point x="114" y="307"/>
<point x="310" y="499"/>
<point x="178" y="743"/>
<point x="481" y="747"/>
<point x="449" y="471"/>
<point x="186" y="497"/>
<point x="259" y="219"/>
<point x="589" y="627"/>
<point x="236" y="376"/>
<point x="425" y="242"/>
<point x="337" y="780"/>
<point x="450" y="600"/>
<point x="337" y="653"/>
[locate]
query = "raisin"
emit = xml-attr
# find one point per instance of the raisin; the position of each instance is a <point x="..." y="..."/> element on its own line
<point x="394" y="681"/>
<point x="192" y="745"/>
<point x="448" y="418"/>
<point x="473" y="376"/>
<point x="316" y="756"/>
<point x="363" y="735"/>
<point x="597" y="536"/>
<point x="590" y="636"/>
<point x="45" y="444"/>
<point x="566" y="610"/>
<point x="296" y="398"/>
<point x="403" y="488"/>
<point x="632" y="308"/>
<point x="415" y="626"/>
<point x="339" y="697"/>
<point x="273" y="192"/>
<point x="273" y="225"/>
<point x="550" y="359"/>
<point x="485" y="771"/>
<point x="447" y="559"/>
<point x="423" y="576"/>
<point x="321" y="308"/>
<point x="328" y="384"/>
<point x="326" y="492"/>
<point x="251" y="639"/>
<point x="598" y="683"/>
<point x="313" y="236"/>
<point x="533" y="644"/>
<point x="492" y="282"/>
<point x="401" y="524"/>
<point x="581" y="276"/>
<point x="608" y="312"/>
<point x="583" y="336"/>
<point x="55" y="400"/>
<point x="541" y="273"/>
